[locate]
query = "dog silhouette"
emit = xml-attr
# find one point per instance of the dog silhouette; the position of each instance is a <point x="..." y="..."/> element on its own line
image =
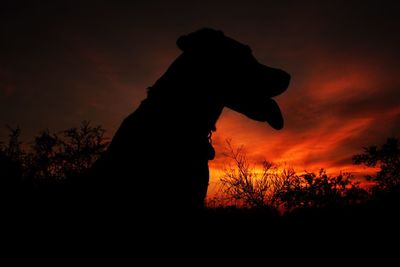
<point x="158" y="158"/>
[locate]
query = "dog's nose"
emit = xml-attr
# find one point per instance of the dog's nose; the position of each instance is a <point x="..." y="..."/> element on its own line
<point x="285" y="80"/>
<point x="280" y="81"/>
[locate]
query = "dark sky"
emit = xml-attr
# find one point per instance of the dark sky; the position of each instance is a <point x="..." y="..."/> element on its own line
<point x="67" y="62"/>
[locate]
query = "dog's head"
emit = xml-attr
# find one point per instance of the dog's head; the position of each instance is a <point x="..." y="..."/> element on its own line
<point x="237" y="78"/>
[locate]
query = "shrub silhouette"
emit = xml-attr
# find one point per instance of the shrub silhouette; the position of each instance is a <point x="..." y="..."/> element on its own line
<point x="13" y="148"/>
<point x="11" y="164"/>
<point x="277" y="187"/>
<point x="51" y="159"/>
<point x="251" y="186"/>
<point x="387" y="158"/>
<point x="81" y="147"/>
<point x="312" y="190"/>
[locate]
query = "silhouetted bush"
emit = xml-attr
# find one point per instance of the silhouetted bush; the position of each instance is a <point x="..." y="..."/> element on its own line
<point x="51" y="158"/>
<point x="387" y="159"/>
<point x="312" y="190"/>
<point x="250" y="186"/>
<point x="12" y="163"/>
<point x="274" y="186"/>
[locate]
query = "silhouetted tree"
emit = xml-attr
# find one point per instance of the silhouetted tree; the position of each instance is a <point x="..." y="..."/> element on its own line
<point x="13" y="148"/>
<point x="42" y="161"/>
<point x="276" y="186"/>
<point x="312" y="190"/>
<point x="56" y="157"/>
<point x="51" y="158"/>
<point x="11" y="162"/>
<point x="387" y="158"/>
<point x="81" y="147"/>
<point x="252" y="186"/>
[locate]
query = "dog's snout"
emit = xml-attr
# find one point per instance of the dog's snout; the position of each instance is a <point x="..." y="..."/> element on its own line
<point x="285" y="79"/>
<point x="281" y="80"/>
<point x="276" y="81"/>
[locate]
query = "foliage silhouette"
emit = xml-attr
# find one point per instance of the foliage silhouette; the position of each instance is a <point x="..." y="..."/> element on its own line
<point x="13" y="148"/>
<point x="81" y="147"/>
<point x="385" y="195"/>
<point x="253" y="187"/>
<point x="312" y="190"/>
<point x="387" y="158"/>
<point x="277" y="187"/>
<point x="51" y="160"/>
<point x="11" y="165"/>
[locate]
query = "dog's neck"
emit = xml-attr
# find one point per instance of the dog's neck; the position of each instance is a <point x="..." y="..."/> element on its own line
<point x="184" y="98"/>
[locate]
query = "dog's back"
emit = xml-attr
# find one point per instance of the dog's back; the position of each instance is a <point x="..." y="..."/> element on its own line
<point x="147" y="166"/>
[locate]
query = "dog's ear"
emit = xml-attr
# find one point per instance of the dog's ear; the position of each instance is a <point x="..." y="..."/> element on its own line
<point x="203" y="39"/>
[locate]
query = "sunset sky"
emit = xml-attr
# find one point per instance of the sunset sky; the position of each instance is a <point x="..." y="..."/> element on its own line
<point x="64" y="63"/>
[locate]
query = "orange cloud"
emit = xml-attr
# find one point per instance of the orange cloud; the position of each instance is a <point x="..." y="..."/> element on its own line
<point x="331" y="114"/>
